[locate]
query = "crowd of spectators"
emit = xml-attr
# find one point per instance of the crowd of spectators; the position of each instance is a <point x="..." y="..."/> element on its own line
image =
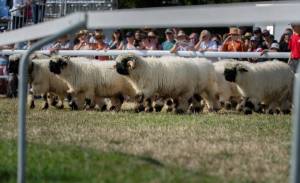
<point x="173" y="40"/>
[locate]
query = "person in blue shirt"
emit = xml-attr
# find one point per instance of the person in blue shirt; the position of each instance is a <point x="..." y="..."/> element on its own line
<point x="170" y="41"/>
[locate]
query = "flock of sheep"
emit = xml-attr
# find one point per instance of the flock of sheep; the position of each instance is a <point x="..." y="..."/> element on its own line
<point x="183" y="85"/>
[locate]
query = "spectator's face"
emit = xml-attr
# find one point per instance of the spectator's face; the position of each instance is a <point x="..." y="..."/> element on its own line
<point x="296" y="28"/>
<point x="234" y="36"/>
<point x="130" y="39"/>
<point x="170" y="36"/>
<point x="117" y="34"/>
<point x="181" y="38"/>
<point x="152" y="38"/>
<point x="286" y="38"/>
<point x="137" y="36"/>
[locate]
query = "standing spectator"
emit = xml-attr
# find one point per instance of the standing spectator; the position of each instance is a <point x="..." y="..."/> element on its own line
<point x="268" y="39"/>
<point x="205" y="43"/>
<point x="81" y="41"/>
<point x="194" y="38"/>
<point x="284" y="43"/>
<point x="116" y="43"/>
<point x="38" y="10"/>
<point x="153" y="41"/>
<point x="17" y="12"/>
<point x="170" y="41"/>
<point x="130" y="42"/>
<point x="233" y="41"/>
<point x="294" y="45"/>
<point x="246" y="40"/>
<point x="254" y="47"/>
<point x="182" y="43"/>
<point x="62" y="43"/>
<point x="100" y="45"/>
<point x="258" y="34"/>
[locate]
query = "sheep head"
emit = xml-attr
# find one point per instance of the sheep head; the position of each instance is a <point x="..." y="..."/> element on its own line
<point x="13" y="64"/>
<point x="231" y="71"/>
<point x="126" y="63"/>
<point x="57" y="64"/>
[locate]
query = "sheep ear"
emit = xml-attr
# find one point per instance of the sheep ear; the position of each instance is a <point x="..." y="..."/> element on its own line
<point x="130" y="65"/>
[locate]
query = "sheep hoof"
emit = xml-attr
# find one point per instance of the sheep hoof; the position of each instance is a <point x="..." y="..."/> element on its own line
<point x="277" y="111"/>
<point x="247" y="111"/>
<point x="228" y="105"/>
<point x="103" y="108"/>
<point x="45" y="107"/>
<point x="179" y="111"/>
<point x="112" y="108"/>
<point x="270" y="112"/>
<point x="54" y="102"/>
<point x="139" y="108"/>
<point x="149" y="109"/>
<point x="170" y="109"/>
<point x="158" y="108"/>
<point x="32" y="105"/>
<point x="73" y="106"/>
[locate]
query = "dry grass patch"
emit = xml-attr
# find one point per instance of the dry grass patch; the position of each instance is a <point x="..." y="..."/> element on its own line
<point x="231" y="146"/>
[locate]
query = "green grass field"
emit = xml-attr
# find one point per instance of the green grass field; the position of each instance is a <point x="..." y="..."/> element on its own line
<point x="91" y="146"/>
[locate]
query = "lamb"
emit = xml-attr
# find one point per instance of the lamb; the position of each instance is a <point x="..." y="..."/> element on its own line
<point x="174" y="77"/>
<point x="88" y="78"/>
<point x="227" y="91"/>
<point x="268" y="82"/>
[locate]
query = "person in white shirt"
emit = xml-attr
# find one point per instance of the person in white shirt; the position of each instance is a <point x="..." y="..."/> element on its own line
<point x="205" y="43"/>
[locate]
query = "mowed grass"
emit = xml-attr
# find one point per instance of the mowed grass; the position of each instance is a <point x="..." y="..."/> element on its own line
<point x="91" y="146"/>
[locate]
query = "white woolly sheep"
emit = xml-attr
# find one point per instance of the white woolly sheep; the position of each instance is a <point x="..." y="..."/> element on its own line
<point x="175" y="77"/>
<point x="91" y="78"/>
<point x="268" y="82"/>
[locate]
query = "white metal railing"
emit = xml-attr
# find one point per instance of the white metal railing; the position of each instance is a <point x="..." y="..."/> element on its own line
<point x="207" y="54"/>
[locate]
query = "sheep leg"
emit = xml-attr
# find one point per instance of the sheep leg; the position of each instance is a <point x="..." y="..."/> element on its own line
<point x="31" y="100"/>
<point x="158" y="104"/>
<point x="60" y="104"/>
<point x="169" y="105"/>
<point x="211" y="101"/>
<point x="195" y="102"/>
<point x="101" y="103"/>
<point x="46" y="104"/>
<point x="116" y="103"/>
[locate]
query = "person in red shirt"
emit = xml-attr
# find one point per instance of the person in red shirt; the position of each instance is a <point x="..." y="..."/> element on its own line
<point x="294" y="45"/>
<point x="233" y="42"/>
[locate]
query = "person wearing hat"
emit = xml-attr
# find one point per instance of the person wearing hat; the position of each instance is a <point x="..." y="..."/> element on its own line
<point x="129" y="41"/>
<point x="81" y="41"/>
<point x="268" y="39"/>
<point x="116" y="42"/>
<point x="182" y="43"/>
<point x="170" y="41"/>
<point x="294" y="45"/>
<point x="233" y="41"/>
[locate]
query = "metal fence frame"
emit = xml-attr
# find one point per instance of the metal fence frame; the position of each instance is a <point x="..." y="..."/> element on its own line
<point x="180" y="17"/>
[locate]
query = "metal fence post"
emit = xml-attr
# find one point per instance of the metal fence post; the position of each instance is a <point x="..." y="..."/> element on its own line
<point x="295" y="159"/>
<point x="23" y="87"/>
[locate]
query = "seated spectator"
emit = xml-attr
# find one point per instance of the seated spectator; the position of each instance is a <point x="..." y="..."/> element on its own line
<point x="100" y="45"/>
<point x="170" y="41"/>
<point x="182" y="43"/>
<point x="194" y="38"/>
<point x="233" y="42"/>
<point x="205" y="43"/>
<point x="81" y="41"/>
<point x="116" y="43"/>
<point x="130" y="42"/>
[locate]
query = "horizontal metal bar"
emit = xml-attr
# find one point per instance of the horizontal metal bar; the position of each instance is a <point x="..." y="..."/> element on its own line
<point x="158" y="53"/>
<point x="197" y="16"/>
<point x="4" y="77"/>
